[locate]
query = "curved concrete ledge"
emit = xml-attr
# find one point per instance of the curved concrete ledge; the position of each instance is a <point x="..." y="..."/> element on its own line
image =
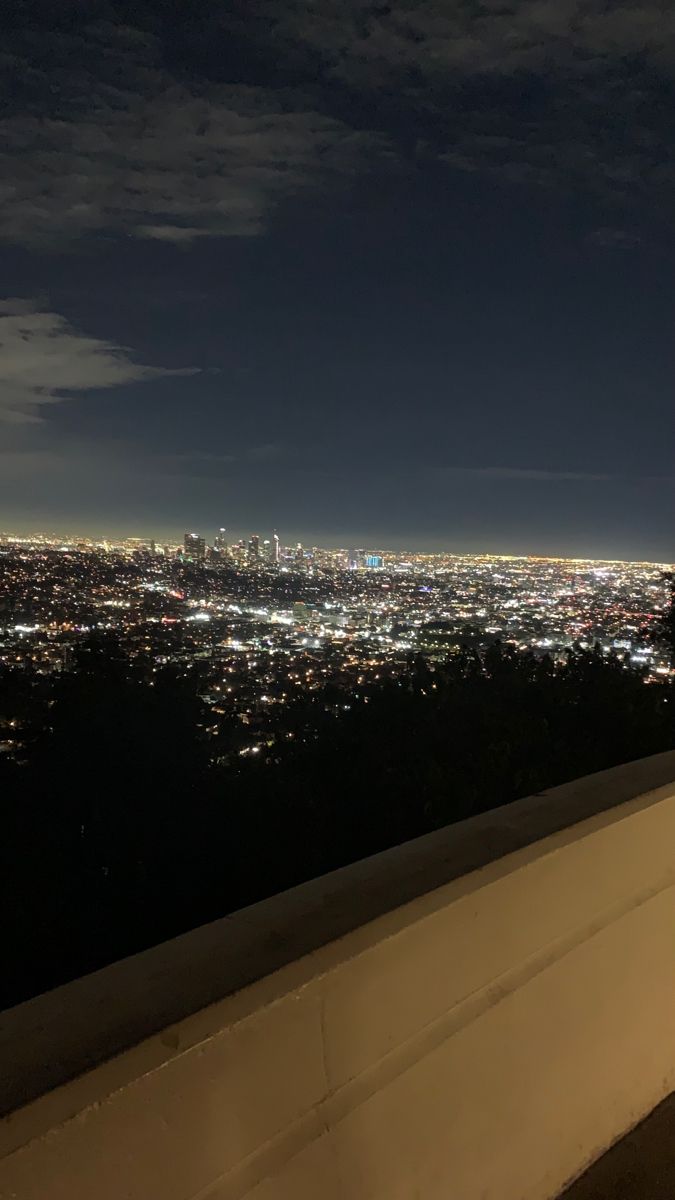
<point x="477" y="1013"/>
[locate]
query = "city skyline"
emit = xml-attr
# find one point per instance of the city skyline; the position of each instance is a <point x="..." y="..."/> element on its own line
<point x="236" y="539"/>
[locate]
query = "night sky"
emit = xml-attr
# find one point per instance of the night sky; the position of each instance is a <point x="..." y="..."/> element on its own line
<point x="398" y="275"/>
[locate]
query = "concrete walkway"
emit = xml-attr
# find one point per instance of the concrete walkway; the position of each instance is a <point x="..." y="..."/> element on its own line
<point x="639" y="1167"/>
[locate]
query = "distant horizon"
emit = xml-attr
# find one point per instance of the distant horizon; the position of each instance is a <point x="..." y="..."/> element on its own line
<point x="330" y="544"/>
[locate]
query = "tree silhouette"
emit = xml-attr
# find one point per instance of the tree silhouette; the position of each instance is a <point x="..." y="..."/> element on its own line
<point x="122" y="829"/>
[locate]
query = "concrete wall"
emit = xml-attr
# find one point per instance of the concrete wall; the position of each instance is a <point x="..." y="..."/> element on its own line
<point x="475" y="1015"/>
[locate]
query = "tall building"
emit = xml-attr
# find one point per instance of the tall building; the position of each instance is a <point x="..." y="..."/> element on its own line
<point x="194" y="547"/>
<point x="267" y="550"/>
<point x="254" y="548"/>
<point x="301" y="613"/>
<point x="220" y="541"/>
<point x="276" y="547"/>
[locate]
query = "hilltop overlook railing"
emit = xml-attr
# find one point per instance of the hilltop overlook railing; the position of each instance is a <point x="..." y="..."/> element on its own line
<point x="478" y="1013"/>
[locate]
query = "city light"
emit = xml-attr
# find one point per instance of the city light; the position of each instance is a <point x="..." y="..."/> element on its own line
<point x="262" y="630"/>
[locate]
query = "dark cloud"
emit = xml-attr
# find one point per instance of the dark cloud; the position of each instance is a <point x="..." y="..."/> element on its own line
<point x="534" y="474"/>
<point x="614" y="239"/>
<point x="105" y="134"/>
<point x="265" y="452"/>
<point x="481" y="37"/>
<point x="192" y="466"/>
<point x="109" y="142"/>
<point x="575" y="95"/>
<point x="44" y="360"/>
<point x="203" y="465"/>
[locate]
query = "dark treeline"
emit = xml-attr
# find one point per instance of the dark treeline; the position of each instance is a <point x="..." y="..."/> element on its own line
<point x="118" y="831"/>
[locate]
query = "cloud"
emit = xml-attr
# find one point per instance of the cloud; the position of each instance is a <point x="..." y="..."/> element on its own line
<point x="490" y="38"/>
<point x="44" y="361"/>
<point x="100" y="137"/>
<point x="535" y="474"/>
<point x="573" y="94"/>
<point x="200" y="464"/>
<point x="136" y="152"/>
<point x="614" y="239"/>
<point x="193" y="464"/>
<point x="265" y="452"/>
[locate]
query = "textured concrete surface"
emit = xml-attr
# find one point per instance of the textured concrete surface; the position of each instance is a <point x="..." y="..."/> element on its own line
<point x="639" y="1167"/>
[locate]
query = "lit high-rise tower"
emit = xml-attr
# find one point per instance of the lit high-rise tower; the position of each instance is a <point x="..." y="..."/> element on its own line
<point x="194" y="547"/>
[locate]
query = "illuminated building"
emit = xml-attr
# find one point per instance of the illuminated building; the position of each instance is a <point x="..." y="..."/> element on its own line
<point x="373" y="560"/>
<point x="194" y="547"/>
<point x="300" y="613"/>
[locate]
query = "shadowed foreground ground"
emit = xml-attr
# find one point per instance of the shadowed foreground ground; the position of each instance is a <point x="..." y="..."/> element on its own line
<point x="639" y="1167"/>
